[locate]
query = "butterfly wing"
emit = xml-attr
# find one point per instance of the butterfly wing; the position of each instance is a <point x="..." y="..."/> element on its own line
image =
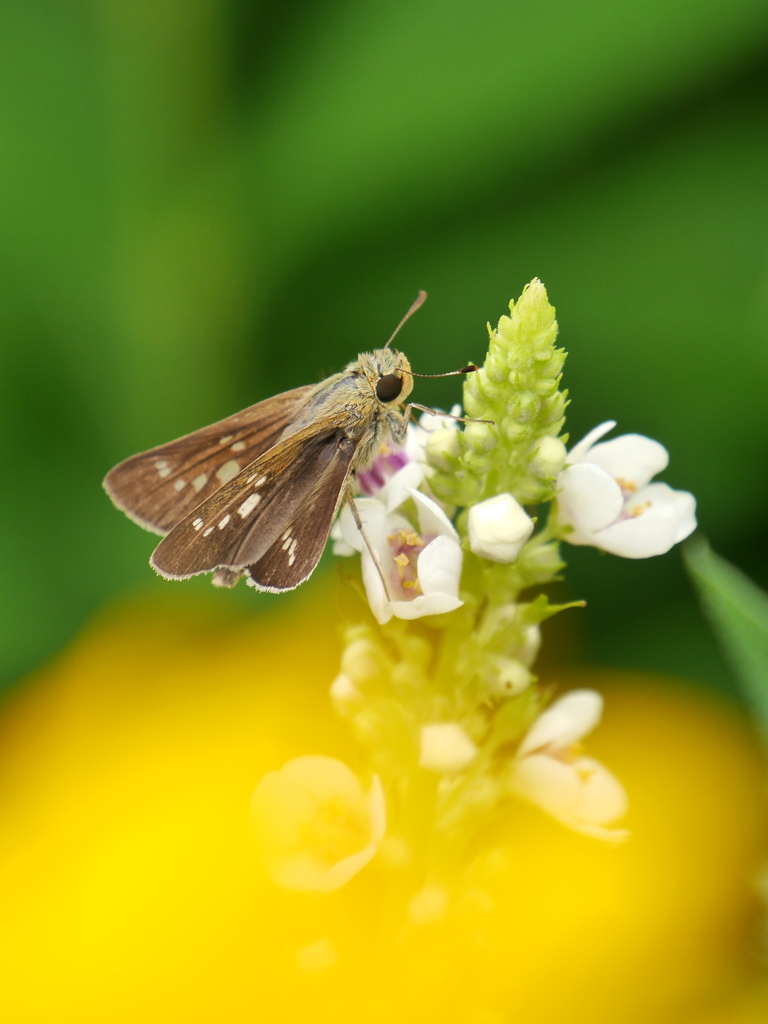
<point x="290" y="494"/>
<point x="158" y="488"/>
<point x="291" y="559"/>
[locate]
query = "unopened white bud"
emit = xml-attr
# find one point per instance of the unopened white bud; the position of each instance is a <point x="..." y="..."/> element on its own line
<point x="445" y="748"/>
<point x="511" y="677"/>
<point x="498" y="528"/>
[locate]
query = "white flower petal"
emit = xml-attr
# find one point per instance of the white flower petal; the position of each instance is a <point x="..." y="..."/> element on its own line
<point x="588" y="499"/>
<point x="578" y="451"/>
<point x="433" y="522"/>
<point x="657" y="526"/>
<point x="373" y="516"/>
<point x="602" y="798"/>
<point x="566" y="721"/>
<point x="629" y="459"/>
<point x="498" y="528"/>
<point x="340" y="546"/>
<point x="550" y="784"/>
<point x="440" y="567"/>
<point x="397" y="489"/>
<point x="682" y="503"/>
<point x="434" y="604"/>
<point x="378" y="601"/>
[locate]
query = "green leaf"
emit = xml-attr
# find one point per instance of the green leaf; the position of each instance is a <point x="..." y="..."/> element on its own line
<point x="738" y="612"/>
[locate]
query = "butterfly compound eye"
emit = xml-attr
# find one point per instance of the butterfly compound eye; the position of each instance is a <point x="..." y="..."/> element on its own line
<point x="388" y="387"/>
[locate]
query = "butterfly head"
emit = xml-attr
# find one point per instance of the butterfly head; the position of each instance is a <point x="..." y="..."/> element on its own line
<point x="388" y="373"/>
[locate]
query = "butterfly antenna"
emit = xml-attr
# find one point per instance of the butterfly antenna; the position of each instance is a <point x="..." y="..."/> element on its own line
<point x="417" y="302"/>
<point x="469" y="368"/>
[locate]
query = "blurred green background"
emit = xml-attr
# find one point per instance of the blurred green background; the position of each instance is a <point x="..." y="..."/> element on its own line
<point x="205" y="202"/>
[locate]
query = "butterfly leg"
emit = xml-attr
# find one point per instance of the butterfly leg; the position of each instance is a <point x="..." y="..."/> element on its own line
<point x="359" y="523"/>
<point x="435" y="412"/>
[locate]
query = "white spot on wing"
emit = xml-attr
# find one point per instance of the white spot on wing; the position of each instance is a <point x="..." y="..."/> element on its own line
<point x="258" y="483"/>
<point x="208" y="532"/>
<point x="162" y="467"/>
<point x="199" y="482"/>
<point x="224" y="522"/>
<point x="179" y="485"/>
<point x="226" y="439"/>
<point x="198" y="524"/>
<point x="228" y="470"/>
<point x="292" y="559"/>
<point x="249" y="505"/>
<point x="238" y="446"/>
<point x="287" y="544"/>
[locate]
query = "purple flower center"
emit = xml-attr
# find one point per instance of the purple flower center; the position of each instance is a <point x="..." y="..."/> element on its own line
<point x="389" y="461"/>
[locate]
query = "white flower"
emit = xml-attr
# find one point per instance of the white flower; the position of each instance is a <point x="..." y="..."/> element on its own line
<point x="498" y="528"/>
<point x="445" y="748"/>
<point x="422" y="567"/>
<point x="605" y="495"/>
<point x="314" y="825"/>
<point x="550" y="771"/>
<point x="398" y="471"/>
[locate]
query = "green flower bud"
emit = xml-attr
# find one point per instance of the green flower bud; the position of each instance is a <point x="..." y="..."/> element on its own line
<point x="548" y="457"/>
<point x="441" y="446"/>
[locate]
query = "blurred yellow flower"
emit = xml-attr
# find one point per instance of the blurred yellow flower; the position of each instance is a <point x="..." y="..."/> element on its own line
<point x="131" y="888"/>
<point x="314" y="825"/>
